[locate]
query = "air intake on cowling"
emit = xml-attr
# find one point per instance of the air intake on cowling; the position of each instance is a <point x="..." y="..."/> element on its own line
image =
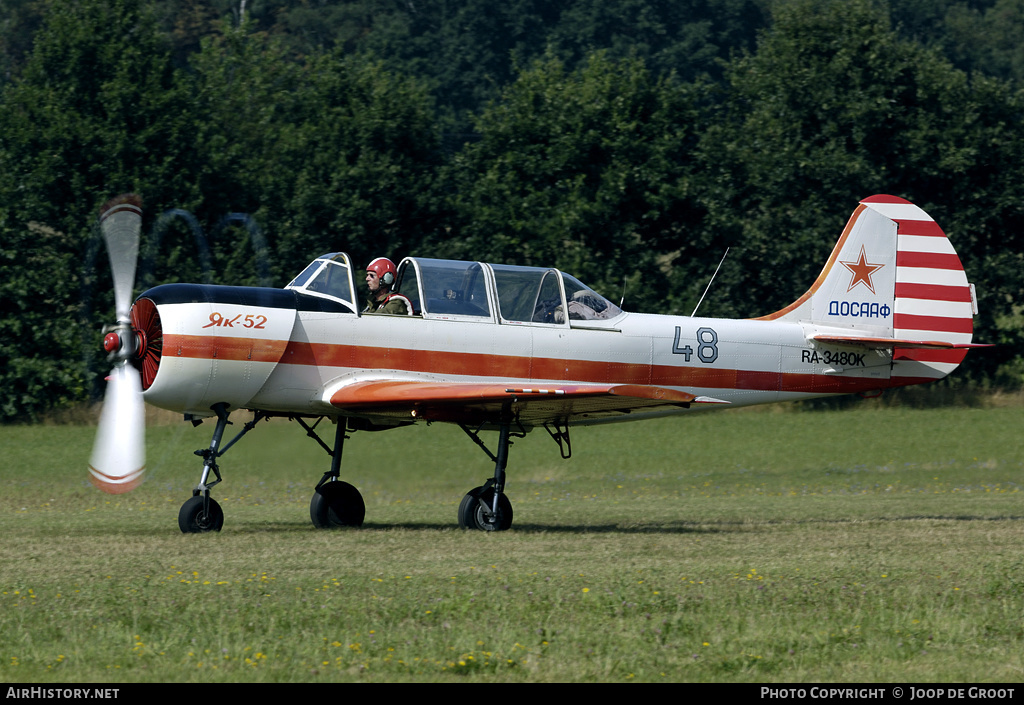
<point x="146" y="324"/>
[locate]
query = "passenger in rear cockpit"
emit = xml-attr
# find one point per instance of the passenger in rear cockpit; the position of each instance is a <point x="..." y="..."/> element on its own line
<point x="380" y="277"/>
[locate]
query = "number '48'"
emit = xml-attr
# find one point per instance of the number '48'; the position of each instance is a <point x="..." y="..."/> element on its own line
<point x="707" y="345"/>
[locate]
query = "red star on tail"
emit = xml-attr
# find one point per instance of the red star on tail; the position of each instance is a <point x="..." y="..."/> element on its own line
<point x="862" y="271"/>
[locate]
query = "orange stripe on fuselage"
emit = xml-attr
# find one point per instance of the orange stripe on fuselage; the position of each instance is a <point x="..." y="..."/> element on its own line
<point x="509" y="367"/>
<point x="210" y="347"/>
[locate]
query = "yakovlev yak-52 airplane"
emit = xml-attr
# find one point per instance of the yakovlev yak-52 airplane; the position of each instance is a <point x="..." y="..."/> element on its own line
<point x="511" y="348"/>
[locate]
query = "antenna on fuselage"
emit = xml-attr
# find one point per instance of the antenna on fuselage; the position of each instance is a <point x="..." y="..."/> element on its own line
<point x="708" y="287"/>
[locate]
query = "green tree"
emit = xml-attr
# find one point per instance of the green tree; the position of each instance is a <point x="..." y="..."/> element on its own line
<point x="468" y="51"/>
<point x="41" y="356"/>
<point x="990" y="40"/>
<point x="835" y="106"/>
<point x="19" y="21"/>
<point x="95" y="112"/>
<point x="686" y="37"/>
<point x="588" y="170"/>
<point x="331" y="153"/>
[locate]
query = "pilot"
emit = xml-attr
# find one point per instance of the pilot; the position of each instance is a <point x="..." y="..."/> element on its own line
<point x="380" y="277"/>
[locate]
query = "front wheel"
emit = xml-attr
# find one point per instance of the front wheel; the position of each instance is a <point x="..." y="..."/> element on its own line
<point x="336" y="504"/>
<point x="195" y="518"/>
<point x="475" y="511"/>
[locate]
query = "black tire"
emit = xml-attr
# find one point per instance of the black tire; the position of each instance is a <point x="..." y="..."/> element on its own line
<point x="193" y="519"/>
<point x="472" y="515"/>
<point x="336" y="504"/>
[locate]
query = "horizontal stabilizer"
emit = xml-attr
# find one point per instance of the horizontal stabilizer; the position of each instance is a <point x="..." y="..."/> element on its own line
<point x="895" y="343"/>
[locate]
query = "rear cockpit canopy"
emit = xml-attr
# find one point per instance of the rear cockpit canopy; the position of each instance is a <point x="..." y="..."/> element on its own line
<point x="499" y="292"/>
<point x="538" y="295"/>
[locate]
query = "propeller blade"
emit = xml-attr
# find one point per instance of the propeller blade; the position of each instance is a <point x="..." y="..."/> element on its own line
<point x="119" y="455"/>
<point x="121" y="223"/>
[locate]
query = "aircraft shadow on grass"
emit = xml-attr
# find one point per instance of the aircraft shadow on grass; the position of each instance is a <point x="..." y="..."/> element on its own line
<point x="669" y="527"/>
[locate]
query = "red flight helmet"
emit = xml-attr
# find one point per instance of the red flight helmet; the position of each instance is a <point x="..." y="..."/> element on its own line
<point x="384" y="269"/>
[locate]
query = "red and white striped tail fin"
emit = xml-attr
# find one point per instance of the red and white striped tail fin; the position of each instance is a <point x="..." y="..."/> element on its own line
<point x="894" y="282"/>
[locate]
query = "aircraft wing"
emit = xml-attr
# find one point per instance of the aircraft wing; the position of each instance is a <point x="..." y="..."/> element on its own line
<point x="478" y="402"/>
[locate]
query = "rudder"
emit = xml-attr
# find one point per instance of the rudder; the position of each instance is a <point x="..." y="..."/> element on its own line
<point x="933" y="299"/>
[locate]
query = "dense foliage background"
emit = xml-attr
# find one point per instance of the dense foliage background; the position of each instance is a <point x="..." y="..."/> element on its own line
<point x="626" y="141"/>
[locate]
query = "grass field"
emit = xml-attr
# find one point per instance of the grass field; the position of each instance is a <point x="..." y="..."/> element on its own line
<point x="873" y="544"/>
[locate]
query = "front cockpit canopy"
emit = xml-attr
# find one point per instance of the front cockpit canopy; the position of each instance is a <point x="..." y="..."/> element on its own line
<point x="445" y="288"/>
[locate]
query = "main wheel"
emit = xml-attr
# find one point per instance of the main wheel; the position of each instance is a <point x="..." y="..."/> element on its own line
<point x="473" y="516"/>
<point x="194" y="519"/>
<point x="336" y="504"/>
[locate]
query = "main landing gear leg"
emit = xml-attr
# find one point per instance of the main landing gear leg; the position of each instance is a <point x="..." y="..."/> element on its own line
<point x="335" y="503"/>
<point x="486" y="507"/>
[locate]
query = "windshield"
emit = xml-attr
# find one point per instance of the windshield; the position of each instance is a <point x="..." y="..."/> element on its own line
<point x="328" y="276"/>
<point x="309" y="271"/>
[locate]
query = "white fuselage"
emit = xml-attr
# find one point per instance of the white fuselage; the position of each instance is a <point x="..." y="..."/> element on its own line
<point x="292" y="361"/>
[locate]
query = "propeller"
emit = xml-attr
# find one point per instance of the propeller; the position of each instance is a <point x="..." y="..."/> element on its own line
<point x="119" y="454"/>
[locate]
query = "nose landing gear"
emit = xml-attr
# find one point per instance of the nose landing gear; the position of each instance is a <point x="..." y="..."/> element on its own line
<point x="202" y="513"/>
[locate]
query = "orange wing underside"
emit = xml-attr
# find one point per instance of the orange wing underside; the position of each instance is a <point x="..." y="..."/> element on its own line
<point x="471" y="401"/>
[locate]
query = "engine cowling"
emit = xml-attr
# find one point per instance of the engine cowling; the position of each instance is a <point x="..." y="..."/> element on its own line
<point x="201" y="345"/>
